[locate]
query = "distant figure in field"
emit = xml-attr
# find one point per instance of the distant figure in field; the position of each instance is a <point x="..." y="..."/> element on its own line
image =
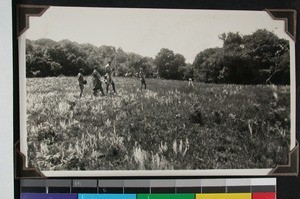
<point x="143" y="80"/>
<point x="97" y="85"/>
<point x="108" y="77"/>
<point x="191" y="83"/>
<point x="81" y="81"/>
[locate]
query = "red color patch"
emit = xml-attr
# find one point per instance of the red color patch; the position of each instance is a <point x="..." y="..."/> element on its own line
<point x="265" y="195"/>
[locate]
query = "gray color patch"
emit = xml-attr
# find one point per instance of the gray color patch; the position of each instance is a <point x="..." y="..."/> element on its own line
<point x="59" y="183"/>
<point x="188" y="183"/>
<point x="136" y="183"/>
<point x="162" y="183"/>
<point x="84" y="183"/>
<point x="239" y="189"/>
<point x="110" y="183"/>
<point x="213" y="182"/>
<point x="263" y="189"/>
<point x="238" y="182"/>
<point x="33" y="183"/>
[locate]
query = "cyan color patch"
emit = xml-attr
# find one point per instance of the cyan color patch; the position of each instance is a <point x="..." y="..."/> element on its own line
<point x="106" y="196"/>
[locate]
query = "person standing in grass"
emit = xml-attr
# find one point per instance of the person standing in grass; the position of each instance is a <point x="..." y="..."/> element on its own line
<point x="143" y="80"/>
<point x="108" y="77"/>
<point x="97" y="85"/>
<point x="81" y="81"/>
<point x="191" y="83"/>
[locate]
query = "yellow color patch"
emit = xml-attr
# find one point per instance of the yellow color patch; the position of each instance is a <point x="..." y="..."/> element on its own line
<point x="224" y="196"/>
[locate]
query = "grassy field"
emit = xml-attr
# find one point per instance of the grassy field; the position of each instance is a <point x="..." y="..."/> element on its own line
<point x="168" y="126"/>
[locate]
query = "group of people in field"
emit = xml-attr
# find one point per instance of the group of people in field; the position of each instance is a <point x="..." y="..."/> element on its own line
<point x="108" y="80"/>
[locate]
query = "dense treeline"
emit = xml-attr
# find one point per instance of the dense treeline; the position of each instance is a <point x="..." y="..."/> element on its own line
<point x="258" y="58"/>
<point x="45" y="57"/>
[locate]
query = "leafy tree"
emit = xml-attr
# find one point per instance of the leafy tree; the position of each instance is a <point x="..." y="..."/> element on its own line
<point x="187" y="71"/>
<point x="36" y="63"/>
<point x="45" y="42"/>
<point x="55" y="68"/>
<point x="120" y="62"/>
<point x="133" y="64"/>
<point x="236" y="64"/>
<point x="258" y="58"/>
<point x="231" y="39"/>
<point x="108" y="53"/>
<point x="148" y="66"/>
<point x="207" y="65"/>
<point x="168" y="64"/>
<point x="46" y="57"/>
<point x="270" y="56"/>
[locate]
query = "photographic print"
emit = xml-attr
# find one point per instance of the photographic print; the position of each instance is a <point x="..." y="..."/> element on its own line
<point x="115" y="91"/>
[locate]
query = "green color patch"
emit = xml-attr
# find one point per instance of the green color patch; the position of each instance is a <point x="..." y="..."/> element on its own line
<point x="165" y="196"/>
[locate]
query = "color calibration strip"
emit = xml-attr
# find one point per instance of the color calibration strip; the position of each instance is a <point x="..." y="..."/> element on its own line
<point x="234" y="188"/>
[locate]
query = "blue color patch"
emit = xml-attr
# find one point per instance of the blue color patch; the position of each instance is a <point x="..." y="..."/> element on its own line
<point x="106" y="196"/>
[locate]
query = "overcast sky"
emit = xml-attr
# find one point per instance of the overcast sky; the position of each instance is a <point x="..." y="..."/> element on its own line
<point x="146" y="31"/>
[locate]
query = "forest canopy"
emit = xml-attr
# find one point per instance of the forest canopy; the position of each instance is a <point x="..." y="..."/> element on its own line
<point x="259" y="58"/>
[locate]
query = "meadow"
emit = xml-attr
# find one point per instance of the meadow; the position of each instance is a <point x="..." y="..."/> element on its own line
<point x="168" y="126"/>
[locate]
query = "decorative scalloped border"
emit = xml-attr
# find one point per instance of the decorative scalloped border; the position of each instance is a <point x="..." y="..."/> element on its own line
<point x="20" y="169"/>
<point x="292" y="168"/>
<point x="22" y="15"/>
<point x="288" y="15"/>
<point x="287" y="18"/>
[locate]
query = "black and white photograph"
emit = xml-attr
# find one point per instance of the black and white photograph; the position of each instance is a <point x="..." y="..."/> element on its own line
<point x="123" y="91"/>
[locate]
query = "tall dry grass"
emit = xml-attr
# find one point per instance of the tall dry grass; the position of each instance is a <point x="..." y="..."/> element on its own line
<point x="169" y="126"/>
